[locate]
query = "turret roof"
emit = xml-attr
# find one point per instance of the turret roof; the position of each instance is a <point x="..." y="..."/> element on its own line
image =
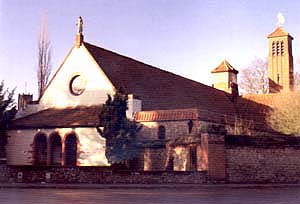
<point x="224" y="67"/>
<point x="279" y="32"/>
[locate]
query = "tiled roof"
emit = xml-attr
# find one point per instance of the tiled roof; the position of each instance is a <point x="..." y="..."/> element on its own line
<point x="184" y="114"/>
<point x="273" y="99"/>
<point x="224" y="67"/>
<point x="164" y="115"/>
<point x="54" y="118"/>
<point x="159" y="89"/>
<point x="278" y="32"/>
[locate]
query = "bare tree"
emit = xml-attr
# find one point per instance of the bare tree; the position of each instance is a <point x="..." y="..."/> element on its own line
<point x="44" y="58"/>
<point x="296" y="81"/>
<point x="254" y="79"/>
<point x="7" y="113"/>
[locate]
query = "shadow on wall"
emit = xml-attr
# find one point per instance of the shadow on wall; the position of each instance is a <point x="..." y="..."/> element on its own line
<point x="274" y="87"/>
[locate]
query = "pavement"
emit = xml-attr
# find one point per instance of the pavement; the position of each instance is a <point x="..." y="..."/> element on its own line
<point x="140" y="186"/>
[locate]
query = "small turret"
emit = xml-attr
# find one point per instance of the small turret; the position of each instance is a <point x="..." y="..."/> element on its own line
<point x="225" y="78"/>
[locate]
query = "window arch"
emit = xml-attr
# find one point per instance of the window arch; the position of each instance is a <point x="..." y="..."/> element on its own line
<point x="278" y="48"/>
<point x="190" y="126"/>
<point x="161" y="132"/>
<point x="273" y="48"/>
<point x="70" y="150"/>
<point x="40" y="149"/>
<point x="55" y="150"/>
<point x="282" y="47"/>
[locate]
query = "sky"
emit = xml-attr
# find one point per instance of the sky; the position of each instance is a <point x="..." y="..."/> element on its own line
<point x="186" y="37"/>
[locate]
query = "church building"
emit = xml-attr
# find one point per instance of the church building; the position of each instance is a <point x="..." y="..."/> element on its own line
<point x="60" y="128"/>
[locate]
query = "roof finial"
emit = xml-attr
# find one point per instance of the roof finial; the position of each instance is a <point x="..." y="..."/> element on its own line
<point x="79" y="25"/>
<point x="79" y="35"/>
<point x="280" y="19"/>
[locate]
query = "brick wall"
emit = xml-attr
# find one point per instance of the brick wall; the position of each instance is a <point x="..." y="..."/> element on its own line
<point x="215" y="156"/>
<point x="174" y="129"/>
<point x="268" y="160"/>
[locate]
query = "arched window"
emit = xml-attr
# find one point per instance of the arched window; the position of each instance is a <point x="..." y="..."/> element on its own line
<point x="277" y="48"/>
<point x="161" y="132"/>
<point x="55" y="150"/>
<point x="282" y="47"/>
<point x="273" y="48"/>
<point x="190" y="126"/>
<point x="71" y="150"/>
<point x="40" y="149"/>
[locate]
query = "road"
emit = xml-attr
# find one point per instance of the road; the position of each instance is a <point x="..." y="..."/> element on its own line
<point x="176" y="195"/>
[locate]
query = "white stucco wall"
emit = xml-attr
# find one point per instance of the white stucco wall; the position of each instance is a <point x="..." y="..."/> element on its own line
<point x="78" y="62"/>
<point x="19" y="147"/>
<point x="90" y="148"/>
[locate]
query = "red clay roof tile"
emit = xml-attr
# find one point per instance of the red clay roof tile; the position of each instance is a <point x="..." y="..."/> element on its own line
<point x="167" y="115"/>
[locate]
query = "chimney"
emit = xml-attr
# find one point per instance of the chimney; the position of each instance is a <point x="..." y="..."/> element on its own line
<point x="134" y="105"/>
<point x="24" y="100"/>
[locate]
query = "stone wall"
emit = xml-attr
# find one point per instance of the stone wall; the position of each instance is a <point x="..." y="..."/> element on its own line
<point x="101" y="175"/>
<point x="262" y="160"/>
<point x="4" y="173"/>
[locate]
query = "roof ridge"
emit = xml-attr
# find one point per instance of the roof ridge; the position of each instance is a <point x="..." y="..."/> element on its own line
<point x="224" y="66"/>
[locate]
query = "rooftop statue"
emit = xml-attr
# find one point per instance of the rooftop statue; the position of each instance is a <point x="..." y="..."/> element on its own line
<point x="79" y="25"/>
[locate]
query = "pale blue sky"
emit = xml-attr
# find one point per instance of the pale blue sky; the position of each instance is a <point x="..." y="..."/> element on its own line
<point x="187" y="37"/>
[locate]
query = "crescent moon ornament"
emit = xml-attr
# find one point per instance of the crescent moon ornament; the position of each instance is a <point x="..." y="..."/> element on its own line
<point x="280" y="19"/>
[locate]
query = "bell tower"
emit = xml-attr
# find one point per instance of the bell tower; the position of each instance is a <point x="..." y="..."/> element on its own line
<point x="280" y="60"/>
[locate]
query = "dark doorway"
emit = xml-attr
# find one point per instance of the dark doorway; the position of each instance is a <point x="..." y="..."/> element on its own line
<point x="161" y="132"/>
<point x="71" y="150"/>
<point x="193" y="158"/>
<point x="55" y="150"/>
